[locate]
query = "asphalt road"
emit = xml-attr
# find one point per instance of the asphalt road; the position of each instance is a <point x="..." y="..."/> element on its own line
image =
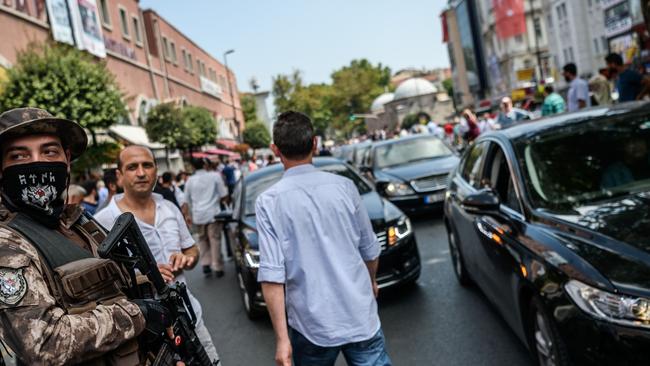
<point x="434" y="323"/>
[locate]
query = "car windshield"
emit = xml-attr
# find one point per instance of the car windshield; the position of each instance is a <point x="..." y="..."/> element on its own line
<point x="406" y="151"/>
<point x="254" y="189"/>
<point x="587" y="162"/>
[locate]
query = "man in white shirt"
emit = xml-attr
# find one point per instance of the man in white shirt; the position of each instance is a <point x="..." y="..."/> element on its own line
<point x="578" y="95"/>
<point x="204" y="192"/>
<point x="161" y="222"/>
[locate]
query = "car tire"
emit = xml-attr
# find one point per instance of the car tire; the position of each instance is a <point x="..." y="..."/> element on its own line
<point x="457" y="259"/>
<point x="251" y="311"/>
<point x="546" y="345"/>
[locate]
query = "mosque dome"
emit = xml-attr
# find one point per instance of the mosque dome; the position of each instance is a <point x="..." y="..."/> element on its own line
<point x="414" y="87"/>
<point x="377" y="105"/>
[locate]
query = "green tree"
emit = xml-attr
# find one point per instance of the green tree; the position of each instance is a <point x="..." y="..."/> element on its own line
<point x="201" y="124"/>
<point x="257" y="136"/>
<point x="166" y="125"/>
<point x="66" y="82"/>
<point x="284" y="86"/>
<point x="410" y="121"/>
<point x="249" y="108"/>
<point x="354" y="88"/>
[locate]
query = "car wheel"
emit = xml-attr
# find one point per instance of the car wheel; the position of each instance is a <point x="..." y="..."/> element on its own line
<point x="546" y="344"/>
<point x="457" y="259"/>
<point x="250" y="309"/>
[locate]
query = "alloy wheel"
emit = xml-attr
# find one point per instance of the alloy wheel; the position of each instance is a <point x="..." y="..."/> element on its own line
<point x="544" y="341"/>
<point x="455" y="254"/>
<point x="244" y="292"/>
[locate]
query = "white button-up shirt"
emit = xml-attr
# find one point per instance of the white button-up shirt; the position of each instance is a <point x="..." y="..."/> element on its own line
<point x="203" y="192"/>
<point x="168" y="234"/>
<point x="578" y="90"/>
<point x="314" y="236"/>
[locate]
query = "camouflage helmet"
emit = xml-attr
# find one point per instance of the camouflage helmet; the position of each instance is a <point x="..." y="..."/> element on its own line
<point x="32" y="121"/>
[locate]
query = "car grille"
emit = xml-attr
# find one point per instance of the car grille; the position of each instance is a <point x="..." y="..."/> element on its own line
<point x="382" y="238"/>
<point x="432" y="183"/>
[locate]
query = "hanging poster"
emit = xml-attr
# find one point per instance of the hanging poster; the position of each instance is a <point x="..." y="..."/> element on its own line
<point x="60" y="21"/>
<point x="87" y="28"/>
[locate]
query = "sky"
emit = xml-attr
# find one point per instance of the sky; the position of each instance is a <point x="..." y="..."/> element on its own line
<point x="272" y="37"/>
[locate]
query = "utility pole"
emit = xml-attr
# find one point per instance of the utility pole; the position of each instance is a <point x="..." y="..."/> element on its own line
<point x="537" y="52"/>
<point x="232" y="96"/>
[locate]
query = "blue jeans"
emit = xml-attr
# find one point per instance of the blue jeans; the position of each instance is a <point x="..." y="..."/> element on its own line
<point x="367" y="353"/>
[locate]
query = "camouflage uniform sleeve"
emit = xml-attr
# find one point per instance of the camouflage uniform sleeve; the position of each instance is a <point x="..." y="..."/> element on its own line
<point x="38" y="330"/>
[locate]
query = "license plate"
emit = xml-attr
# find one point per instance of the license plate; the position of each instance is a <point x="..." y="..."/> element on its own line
<point x="433" y="198"/>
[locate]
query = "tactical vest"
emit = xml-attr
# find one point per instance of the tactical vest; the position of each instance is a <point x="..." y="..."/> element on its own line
<point x="77" y="279"/>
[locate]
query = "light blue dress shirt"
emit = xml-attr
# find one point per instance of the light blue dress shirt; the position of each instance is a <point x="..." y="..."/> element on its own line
<point x="315" y="236"/>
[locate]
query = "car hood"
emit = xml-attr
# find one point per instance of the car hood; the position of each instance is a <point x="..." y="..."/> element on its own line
<point x="614" y="237"/>
<point x="418" y="169"/>
<point x="380" y="211"/>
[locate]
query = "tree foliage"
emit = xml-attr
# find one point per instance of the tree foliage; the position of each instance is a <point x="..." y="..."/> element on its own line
<point x="165" y="125"/>
<point x="351" y="91"/>
<point x="66" y="82"/>
<point x="256" y="135"/>
<point x="201" y="124"/>
<point x="448" y="84"/>
<point x="95" y="156"/>
<point x="249" y="108"/>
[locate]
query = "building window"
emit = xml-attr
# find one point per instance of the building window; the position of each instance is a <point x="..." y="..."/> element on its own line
<point x="104" y="14"/>
<point x="124" y="23"/>
<point x="519" y="38"/>
<point x="538" y="28"/>
<point x="571" y="54"/>
<point x="190" y="65"/>
<point x="203" y="69"/>
<point x="172" y="49"/>
<point x="605" y="44"/>
<point x="184" y="55"/>
<point x="166" y="48"/>
<point x="596" y="45"/>
<point x="198" y="67"/>
<point x="136" y="30"/>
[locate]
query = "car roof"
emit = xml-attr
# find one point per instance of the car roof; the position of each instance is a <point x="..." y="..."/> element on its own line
<point x="402" y="139"/>
<point x="547" y="124"/>
<point x="278" y="168"/>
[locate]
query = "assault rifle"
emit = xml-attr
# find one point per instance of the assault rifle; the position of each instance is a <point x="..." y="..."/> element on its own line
<point x="126" y="246"/>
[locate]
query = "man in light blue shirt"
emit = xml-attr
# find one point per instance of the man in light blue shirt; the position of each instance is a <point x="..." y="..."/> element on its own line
<point x="578" y="94"/>
<point x="316" y="240"/>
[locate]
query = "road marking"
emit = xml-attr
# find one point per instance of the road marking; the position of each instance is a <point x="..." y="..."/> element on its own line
<point x="436" y="260"/>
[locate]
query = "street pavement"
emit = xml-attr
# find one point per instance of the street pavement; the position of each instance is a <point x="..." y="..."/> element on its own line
<point x="436" y="322"/>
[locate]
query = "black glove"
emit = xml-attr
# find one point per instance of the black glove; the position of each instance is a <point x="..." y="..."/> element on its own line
<point x="156" y="315"/>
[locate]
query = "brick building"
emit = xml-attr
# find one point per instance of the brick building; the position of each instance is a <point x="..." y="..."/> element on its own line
<point x="152" y="60"/>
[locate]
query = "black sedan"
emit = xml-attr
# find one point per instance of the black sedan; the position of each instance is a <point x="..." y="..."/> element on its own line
<point x="551" y="219"/>
<point x="354" y="154"/>
<point x="399" y="262"/>
<point x="412" y="172"/>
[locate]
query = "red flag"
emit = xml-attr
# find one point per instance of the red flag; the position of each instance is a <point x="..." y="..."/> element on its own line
<point x="510" y="18"/>
<point x="445" y="32"/>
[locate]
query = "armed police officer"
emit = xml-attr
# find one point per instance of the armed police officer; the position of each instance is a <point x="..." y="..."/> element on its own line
<point x="59" y="303"/>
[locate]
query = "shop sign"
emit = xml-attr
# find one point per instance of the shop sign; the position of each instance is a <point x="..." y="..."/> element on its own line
<point x="618" y="19"/>
<point x="210" y="87"/>
<point x="119" y="48"/>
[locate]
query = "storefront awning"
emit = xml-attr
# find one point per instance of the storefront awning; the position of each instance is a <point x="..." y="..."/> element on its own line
<point x="229" y="144"/>
<point x="133" y="135"/>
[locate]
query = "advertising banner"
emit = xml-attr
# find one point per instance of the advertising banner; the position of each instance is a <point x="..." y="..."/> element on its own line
<point x="87" y="28"/>
<point x="60" y="21"/>
<point x="510" y="18"/>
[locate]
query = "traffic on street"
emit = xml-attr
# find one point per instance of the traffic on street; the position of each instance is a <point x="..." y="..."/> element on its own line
<point x="320" y="183"/>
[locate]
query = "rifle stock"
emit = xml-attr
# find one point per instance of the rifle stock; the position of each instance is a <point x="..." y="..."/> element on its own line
<point x="125" y="245"/>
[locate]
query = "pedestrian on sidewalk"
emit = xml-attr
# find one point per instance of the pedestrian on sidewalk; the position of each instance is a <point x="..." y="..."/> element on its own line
<point x="204" y="193"/>
<point x="161" y="223"/>
<point x="316" y="239"/>
<point x="508" y="115"/>
<point x="578" y="95"/>
<point x="90" y="201"/>
<point x="553" y="102"/>
<point x="630" y="84"/>
<point x="110" y="181"/>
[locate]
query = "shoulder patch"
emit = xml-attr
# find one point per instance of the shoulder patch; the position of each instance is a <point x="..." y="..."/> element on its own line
<point x="13" y="285"/>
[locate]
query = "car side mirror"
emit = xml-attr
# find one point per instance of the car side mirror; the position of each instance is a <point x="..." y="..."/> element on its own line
<point x="484" y="201"/>
<point x="224" y="217"/>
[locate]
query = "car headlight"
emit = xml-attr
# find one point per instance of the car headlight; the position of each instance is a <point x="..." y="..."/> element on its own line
<point x="399" y="231"/>
<point x="615" y="308"/>
<point x="398" y="189"/>
<point x="252" y="258"/>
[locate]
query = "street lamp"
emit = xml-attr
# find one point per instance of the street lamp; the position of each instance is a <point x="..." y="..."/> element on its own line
<point x="232" y="96"/>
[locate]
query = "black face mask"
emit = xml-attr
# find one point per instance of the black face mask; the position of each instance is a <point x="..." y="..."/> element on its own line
<point x="36" y="189"/>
